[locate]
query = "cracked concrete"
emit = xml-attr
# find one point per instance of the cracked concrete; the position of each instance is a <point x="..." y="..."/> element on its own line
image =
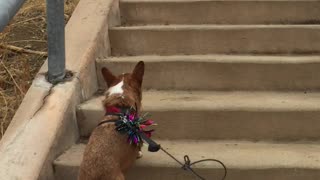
<point x="44" y="82"/>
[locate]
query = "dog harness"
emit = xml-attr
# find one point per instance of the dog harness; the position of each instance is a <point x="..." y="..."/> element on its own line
<point x="134" y="126"/>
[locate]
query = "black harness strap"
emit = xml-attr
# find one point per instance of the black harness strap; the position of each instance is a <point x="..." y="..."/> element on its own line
<point x="107" y="121"/>
<point x="123" y="111"/>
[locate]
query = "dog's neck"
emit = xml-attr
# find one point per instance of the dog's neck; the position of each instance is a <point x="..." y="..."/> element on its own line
<point x="121" y="102"/>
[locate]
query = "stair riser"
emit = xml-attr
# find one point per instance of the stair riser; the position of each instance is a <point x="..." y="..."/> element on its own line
<point x="223" y="124"/>
<point x="175" y="173"/>
<point x="202" y="40"/>
<point x="199" y="75"/>
<point x="220" y="12"/>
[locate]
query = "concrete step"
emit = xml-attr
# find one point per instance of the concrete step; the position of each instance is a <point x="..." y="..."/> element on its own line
<point x="215" y="39"/>
<point x="135" y="12"/>
<point x="244" y="160"/>
<point x="222" y="115"/>
<point x="221" y="72"/>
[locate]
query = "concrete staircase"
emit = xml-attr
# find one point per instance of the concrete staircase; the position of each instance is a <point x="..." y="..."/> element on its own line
<point x="232" y="80"/>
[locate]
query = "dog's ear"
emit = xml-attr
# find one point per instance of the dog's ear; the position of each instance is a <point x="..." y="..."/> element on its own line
<point x="108" y="76"/>
<point x="138" y="72"/>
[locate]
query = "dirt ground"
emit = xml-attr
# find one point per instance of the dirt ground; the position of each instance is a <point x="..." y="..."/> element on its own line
<point x="17" y="69"/>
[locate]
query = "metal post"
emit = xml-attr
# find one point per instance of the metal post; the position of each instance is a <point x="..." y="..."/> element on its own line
<point x="8" y="8"/>
<point x="56" y="44"/>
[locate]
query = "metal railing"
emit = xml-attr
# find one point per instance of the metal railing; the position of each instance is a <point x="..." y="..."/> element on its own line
<point x="55" y="29"/>
<point x="8" y="8"/>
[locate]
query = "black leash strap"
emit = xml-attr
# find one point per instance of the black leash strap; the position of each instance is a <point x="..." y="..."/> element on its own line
<point x="107" y="121"/>
<point x="187" y="164"/>
<point x="154" y="147"/>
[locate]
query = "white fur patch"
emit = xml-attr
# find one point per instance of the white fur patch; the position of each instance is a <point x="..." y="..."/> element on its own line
<point x="117" y="89"/>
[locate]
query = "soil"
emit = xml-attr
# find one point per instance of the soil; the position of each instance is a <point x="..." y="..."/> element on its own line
<point x="27" y="30"/>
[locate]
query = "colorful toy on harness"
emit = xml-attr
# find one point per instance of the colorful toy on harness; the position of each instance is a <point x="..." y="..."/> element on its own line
<point x="131" y="124"/>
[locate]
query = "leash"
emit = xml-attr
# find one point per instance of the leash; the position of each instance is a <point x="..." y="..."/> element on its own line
<point x="187" y="164"/>
<point x="131" y="127"/>
<point x="154" y="147"/>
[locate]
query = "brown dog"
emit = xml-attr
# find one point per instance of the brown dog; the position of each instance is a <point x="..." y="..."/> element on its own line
<point x="108" y="154"/>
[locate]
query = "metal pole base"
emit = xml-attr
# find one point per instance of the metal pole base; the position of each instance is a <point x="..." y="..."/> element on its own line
<point x="55" y="79"/>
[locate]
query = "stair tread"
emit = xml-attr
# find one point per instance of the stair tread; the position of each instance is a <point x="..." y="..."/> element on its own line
<point x="141" y="12"/>
<point x="186" y="1"/>
<point x="210" y="39"/>
<point x="235" y="154"/>
<point x="174" y="27"/>
<point x="219" y="58"/>
<point x="219" y="100"/>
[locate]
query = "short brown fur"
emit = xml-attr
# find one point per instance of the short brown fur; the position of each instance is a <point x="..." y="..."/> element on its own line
<point x="108" y="155"/>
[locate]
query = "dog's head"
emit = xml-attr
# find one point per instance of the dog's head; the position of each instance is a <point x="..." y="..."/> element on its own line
<point x="124" y="90"/>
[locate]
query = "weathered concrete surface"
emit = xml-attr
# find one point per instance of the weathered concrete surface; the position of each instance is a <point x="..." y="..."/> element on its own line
<point x="215" y="39"/>
<point x="134" y="12"/>
<point x="45" y="123"/>
<point x="245" y="161"/>
<point x="222" y="115"/>
<point x="221" y="72"/>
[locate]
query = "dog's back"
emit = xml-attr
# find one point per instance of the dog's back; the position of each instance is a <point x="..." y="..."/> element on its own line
<point x="108" y="155"/>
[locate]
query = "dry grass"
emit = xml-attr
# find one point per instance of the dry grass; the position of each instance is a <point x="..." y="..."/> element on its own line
<point x="17" y="70"/>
